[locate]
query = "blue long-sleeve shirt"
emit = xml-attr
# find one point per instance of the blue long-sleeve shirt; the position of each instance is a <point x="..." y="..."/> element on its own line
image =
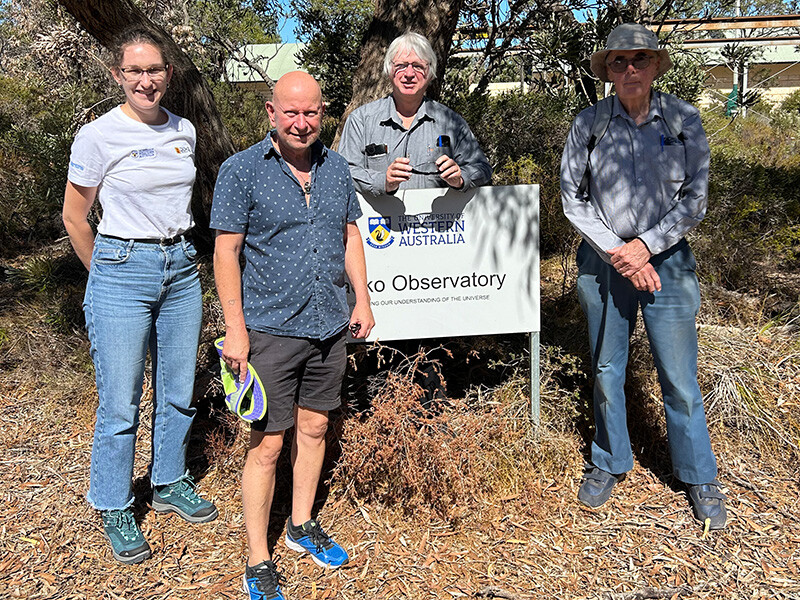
<point x="644" y="182"/>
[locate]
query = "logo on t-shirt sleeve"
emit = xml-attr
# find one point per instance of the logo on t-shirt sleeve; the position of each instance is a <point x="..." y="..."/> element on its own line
<point x="143" y="153"/>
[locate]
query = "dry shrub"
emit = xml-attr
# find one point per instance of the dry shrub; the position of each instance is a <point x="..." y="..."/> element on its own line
<point x="751" y="378"/>
<point x="442" y="462"/>
<point x="223" y="441"/>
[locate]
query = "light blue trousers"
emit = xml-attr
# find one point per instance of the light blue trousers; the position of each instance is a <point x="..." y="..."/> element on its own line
<point x="611" y="305"/>
<point x="141" y="295"/>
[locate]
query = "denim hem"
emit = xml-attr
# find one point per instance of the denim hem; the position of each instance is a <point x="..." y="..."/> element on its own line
<point x="693" y="479"/>
<point x="96" y="506"/>
<point x="181" y="478"/>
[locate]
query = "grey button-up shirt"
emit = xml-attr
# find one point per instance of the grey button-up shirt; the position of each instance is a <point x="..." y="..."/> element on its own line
<point x="293" y="282"/>
<point x="378" y="123"/>
<point x="643" y="183"/>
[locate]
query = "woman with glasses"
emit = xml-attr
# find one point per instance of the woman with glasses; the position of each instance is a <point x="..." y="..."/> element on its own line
<point x="407" y="140"/>
<point x="634" y="182"/>
<point x="143" y="289"/>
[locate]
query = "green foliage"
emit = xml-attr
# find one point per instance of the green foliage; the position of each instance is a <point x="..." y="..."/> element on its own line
<point x="53" y="283"/>
<point x="332" y="31"/>
<point x="687" y="77"/>
<point x="792" y="102"/>
<point x="242" y="112"/>
<point x="36" y="129"/>
<point x="212" y="29"/>
<point x="754" y="201"/>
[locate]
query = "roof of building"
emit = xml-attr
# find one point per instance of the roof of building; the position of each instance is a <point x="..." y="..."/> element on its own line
<point x="278" y="59"/>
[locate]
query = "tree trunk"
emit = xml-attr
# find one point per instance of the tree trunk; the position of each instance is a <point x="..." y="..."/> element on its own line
<point x="188" y="96"/>
<point x="435" y="19"/>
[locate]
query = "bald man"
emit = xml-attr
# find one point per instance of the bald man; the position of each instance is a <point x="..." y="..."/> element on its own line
<point x="288" y="203"/>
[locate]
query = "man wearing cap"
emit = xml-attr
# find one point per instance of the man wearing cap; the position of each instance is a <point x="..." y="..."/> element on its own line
<point x="633" y="193"/>
<point x="407" y="140"/>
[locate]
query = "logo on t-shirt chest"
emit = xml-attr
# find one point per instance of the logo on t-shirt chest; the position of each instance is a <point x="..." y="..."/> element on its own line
<point x="182" y="150"/>
<point x="143" y="153"/>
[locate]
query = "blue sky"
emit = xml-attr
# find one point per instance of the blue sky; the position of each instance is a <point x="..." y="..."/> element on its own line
<point x="287" y="29"/>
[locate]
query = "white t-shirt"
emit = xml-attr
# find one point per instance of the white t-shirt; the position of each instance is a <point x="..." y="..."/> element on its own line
<point x="145" y="173"/>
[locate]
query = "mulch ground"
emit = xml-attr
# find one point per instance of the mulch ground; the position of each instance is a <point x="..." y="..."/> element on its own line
<point x="540" y="544"/>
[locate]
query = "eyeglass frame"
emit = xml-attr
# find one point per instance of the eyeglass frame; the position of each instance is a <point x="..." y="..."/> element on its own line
<point x="400" y="67"/>
<point x="619" y="60"/>
<point x="161" y="73"/>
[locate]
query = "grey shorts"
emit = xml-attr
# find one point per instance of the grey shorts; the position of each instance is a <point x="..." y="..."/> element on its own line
<point x="299" y="371"/>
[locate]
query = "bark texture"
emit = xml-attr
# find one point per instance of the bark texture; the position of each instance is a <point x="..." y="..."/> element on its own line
<point x="435" y="19"/>
<point x="188" y="96"/>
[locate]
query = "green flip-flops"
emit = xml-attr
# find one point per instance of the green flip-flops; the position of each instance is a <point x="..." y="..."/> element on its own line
<point x="247" y="399"/>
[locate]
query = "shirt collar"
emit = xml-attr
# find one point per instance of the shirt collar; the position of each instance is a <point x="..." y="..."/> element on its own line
<point x="388" y="112"/>
<point x="318" y="149"/>
<point x="655" y="108"/>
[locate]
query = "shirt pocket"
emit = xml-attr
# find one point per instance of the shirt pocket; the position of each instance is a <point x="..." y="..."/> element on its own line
<point x="672" y="165"/>
<point x="379" y="162"/>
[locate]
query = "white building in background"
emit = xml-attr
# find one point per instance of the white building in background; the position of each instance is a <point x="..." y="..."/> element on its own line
<point x="772" y="40"/>
<point x="773" y="69"/>
<point x="276" y="59"/>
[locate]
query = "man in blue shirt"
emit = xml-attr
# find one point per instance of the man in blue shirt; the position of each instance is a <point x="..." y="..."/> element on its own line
<point x="647" y="188"/>
<point x="288" y="204"/>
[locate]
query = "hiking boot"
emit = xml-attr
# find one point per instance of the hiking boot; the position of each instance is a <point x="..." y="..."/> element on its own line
<point x="596" y="487"/>
<point x="262" y="582"/>
<point x="708" y="503"/>
<point x="180" y="498"/>
<point x="127" y="542"/>
<point x="310" y="537"/>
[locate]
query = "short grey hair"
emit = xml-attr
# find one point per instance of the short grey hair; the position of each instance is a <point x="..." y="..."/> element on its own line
<point x="416" y="43"/>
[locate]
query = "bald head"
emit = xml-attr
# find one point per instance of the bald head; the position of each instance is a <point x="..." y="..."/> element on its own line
<point x="297" y="83"/>
<point x="295" y="112"/>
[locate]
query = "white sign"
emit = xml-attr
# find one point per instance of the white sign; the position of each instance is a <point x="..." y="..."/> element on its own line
<point x="445" y="263"/>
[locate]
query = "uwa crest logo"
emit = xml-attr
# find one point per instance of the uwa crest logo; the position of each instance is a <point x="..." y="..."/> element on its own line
<point x="380" y="232"/>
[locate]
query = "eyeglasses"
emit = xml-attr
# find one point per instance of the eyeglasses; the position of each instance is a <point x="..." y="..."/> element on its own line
<point x="418" y="67"/>
<point x="135" y="73"/>
<point x="428" y="168"/>
<point x="640" y="62"/>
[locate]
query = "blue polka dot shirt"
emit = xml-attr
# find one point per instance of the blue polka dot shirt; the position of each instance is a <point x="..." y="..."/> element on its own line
<point x="293" y="280"/>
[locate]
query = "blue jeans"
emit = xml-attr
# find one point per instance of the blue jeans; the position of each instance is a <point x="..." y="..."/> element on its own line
<point x="141" y="295"/>
<point x="611" y="305"/>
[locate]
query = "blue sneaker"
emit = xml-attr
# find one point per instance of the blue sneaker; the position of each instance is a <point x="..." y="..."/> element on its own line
<point x="262" y="582"/>
<point x="127" y="542"/>
<point x="180" y="498"/>
<point x="310" y="537"/>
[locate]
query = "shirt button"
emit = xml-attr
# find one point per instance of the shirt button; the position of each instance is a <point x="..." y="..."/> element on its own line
<point x="317" y="277"/>
<point x="315" y="250"/>
<point x="639" y="180"/>
<point x="312" y="221"/>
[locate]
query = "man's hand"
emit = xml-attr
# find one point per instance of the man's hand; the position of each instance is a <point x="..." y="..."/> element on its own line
<point x="450" y="172"/>
<point x="236" y="350"/>
<point x="361" y="321"/>
<point x="646" y="279"/>
<point x="630" y="258"/>
<point x="398" y="172"/>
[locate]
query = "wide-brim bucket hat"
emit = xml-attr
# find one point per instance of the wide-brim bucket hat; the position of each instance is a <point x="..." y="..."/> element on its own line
<point x="630" y="36"/>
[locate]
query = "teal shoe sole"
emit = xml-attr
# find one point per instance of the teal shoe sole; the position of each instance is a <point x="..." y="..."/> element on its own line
<point x="166" y="507"/>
